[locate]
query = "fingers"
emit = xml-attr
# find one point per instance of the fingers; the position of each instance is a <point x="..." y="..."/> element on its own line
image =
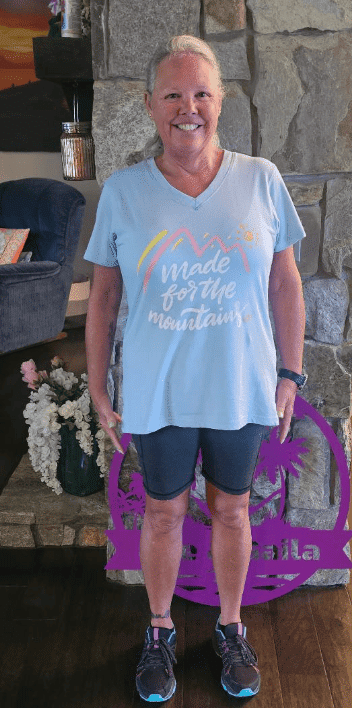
<point x="285" y="399"/>
<point x="108" y="420"/>
<point x="109" y="425"/>
<point x="284" y="426"/>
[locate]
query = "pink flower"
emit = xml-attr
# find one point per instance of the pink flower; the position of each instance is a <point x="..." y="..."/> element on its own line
<point x="30" y="373"/>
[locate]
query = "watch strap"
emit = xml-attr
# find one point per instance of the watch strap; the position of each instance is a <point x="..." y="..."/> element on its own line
<point x="299" y="379"/>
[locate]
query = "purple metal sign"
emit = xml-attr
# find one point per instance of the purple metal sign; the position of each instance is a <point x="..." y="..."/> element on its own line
<point x="283" y="556"/>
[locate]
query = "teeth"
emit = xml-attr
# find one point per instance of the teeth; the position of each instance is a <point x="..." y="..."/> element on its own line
<point x="188" y="126"/>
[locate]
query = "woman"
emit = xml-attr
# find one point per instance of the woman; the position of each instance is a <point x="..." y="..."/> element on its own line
<point x="200" y="237"/>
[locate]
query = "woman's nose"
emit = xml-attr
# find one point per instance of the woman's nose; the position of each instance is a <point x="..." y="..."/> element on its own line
<point x="188" y="105"/>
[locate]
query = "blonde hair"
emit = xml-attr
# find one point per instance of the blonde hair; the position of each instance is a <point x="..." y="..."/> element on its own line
<point x="175" y="45"/>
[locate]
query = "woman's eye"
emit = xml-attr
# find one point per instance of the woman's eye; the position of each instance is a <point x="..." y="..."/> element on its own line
<point x="201" y="94"/>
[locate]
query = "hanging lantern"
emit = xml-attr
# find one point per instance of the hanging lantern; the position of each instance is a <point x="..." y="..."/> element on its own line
<point x="77" y="151"/>
<point x="77" y="146"/>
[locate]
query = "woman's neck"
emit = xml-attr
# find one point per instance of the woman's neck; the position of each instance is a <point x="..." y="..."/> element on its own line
<point x="191" y="177"/>
<point x="187" y="166"/>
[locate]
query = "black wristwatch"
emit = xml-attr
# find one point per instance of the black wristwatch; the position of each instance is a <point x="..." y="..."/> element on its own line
<point x="299" y="379"/>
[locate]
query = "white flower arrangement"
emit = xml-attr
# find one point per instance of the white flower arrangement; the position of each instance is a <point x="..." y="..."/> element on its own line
<point x="59" y="399"/>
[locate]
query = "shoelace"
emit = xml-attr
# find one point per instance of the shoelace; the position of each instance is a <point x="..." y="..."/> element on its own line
<point x="155" y="653"/>
<point x="236" y="650"/>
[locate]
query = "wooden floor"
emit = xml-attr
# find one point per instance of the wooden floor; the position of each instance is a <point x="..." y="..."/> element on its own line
<point x="71" y="639"/>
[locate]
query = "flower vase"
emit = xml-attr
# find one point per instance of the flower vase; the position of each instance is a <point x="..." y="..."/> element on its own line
<point x="77" y="472"/>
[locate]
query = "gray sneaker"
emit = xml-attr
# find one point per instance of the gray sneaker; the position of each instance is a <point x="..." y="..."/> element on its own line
<point x="240" y="676"/>
<point x="155" y="680"/>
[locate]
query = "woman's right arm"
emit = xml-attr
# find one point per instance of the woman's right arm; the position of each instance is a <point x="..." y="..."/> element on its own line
<point x="103" y="307"/>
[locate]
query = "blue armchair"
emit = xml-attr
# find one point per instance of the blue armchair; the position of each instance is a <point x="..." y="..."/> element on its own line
<point x="34" y="295"/>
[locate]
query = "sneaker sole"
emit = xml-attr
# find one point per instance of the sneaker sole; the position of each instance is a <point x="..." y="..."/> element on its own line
<point x="157" y="698"/>
<point x="245" y="693"/>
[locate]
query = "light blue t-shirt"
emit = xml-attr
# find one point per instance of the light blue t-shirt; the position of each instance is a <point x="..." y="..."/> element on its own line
<point x="198" y="347"/>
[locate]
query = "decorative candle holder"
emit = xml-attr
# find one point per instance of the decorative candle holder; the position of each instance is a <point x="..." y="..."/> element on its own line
<point x="77" y="151"/>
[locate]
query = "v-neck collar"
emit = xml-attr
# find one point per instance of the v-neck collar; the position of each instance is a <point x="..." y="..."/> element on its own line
<point x="186" y="199"/>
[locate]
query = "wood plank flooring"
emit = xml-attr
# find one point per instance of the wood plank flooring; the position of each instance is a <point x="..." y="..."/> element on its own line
<point x="71" y="639"/>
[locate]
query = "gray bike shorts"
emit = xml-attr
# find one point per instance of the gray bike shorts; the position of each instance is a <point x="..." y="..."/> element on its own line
<point x="168" y="458"/>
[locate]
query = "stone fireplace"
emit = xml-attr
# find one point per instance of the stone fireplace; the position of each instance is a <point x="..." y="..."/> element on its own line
<point x="287" y="70"/>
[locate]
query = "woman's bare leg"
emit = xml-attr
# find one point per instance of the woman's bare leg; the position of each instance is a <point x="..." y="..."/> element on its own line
<point x="161" y="551"/>
<point x="231" y="548"/>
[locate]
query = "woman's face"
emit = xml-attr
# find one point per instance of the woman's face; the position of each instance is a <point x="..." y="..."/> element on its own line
<point x="186" y="103"/>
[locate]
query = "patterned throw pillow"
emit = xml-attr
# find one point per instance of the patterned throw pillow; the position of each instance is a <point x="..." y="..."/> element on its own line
<point x="11" y="244"/>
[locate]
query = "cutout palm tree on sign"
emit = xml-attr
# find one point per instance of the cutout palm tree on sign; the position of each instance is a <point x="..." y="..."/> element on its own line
<point x="133" y="501"/>
<point x="274" y="458"/>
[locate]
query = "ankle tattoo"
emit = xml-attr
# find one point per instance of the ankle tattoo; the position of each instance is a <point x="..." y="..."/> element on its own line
<point x="165" y="616"/>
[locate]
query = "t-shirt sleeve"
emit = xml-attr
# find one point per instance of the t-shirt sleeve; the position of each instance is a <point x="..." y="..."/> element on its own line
<point x="289" y="227"/>
<point x="101" y="248"/>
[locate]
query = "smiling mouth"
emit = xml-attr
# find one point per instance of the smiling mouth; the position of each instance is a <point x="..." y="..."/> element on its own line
<point x="187" y="126"/>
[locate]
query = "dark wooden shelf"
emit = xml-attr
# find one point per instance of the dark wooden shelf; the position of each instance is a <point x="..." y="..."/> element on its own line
<point x="63" y="59"/>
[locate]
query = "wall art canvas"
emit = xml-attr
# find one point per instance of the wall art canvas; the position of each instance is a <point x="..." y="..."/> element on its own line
<point x="31" y="110"/>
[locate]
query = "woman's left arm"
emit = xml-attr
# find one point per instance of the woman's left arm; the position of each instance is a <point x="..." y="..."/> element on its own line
<point x="286" y="298"/>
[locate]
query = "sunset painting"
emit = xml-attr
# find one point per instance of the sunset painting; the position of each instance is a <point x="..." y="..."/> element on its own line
<point x="17" y="29"/>
<point x="31" y="110"/>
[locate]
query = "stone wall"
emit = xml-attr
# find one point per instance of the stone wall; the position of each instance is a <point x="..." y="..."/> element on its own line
<point x="287" y="69"/>
<point x="33" y="516"/>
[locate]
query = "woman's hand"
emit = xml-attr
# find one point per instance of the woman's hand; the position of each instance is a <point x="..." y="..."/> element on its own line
<point x="108" y="419"/>
<point x="285" y="401"/>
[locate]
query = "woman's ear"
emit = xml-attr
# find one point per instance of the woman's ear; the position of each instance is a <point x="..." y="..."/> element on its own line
<point x="147" y="98"/>
<point x="221" y="98"/>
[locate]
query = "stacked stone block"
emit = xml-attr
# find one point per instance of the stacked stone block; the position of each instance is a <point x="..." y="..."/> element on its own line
<point x="33" y="516"/>
<point x="287" y="70"/>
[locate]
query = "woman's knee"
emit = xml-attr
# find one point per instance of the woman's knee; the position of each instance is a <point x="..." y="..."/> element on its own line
<point x="165" y="516"/>
<point x="228" y="509"/>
